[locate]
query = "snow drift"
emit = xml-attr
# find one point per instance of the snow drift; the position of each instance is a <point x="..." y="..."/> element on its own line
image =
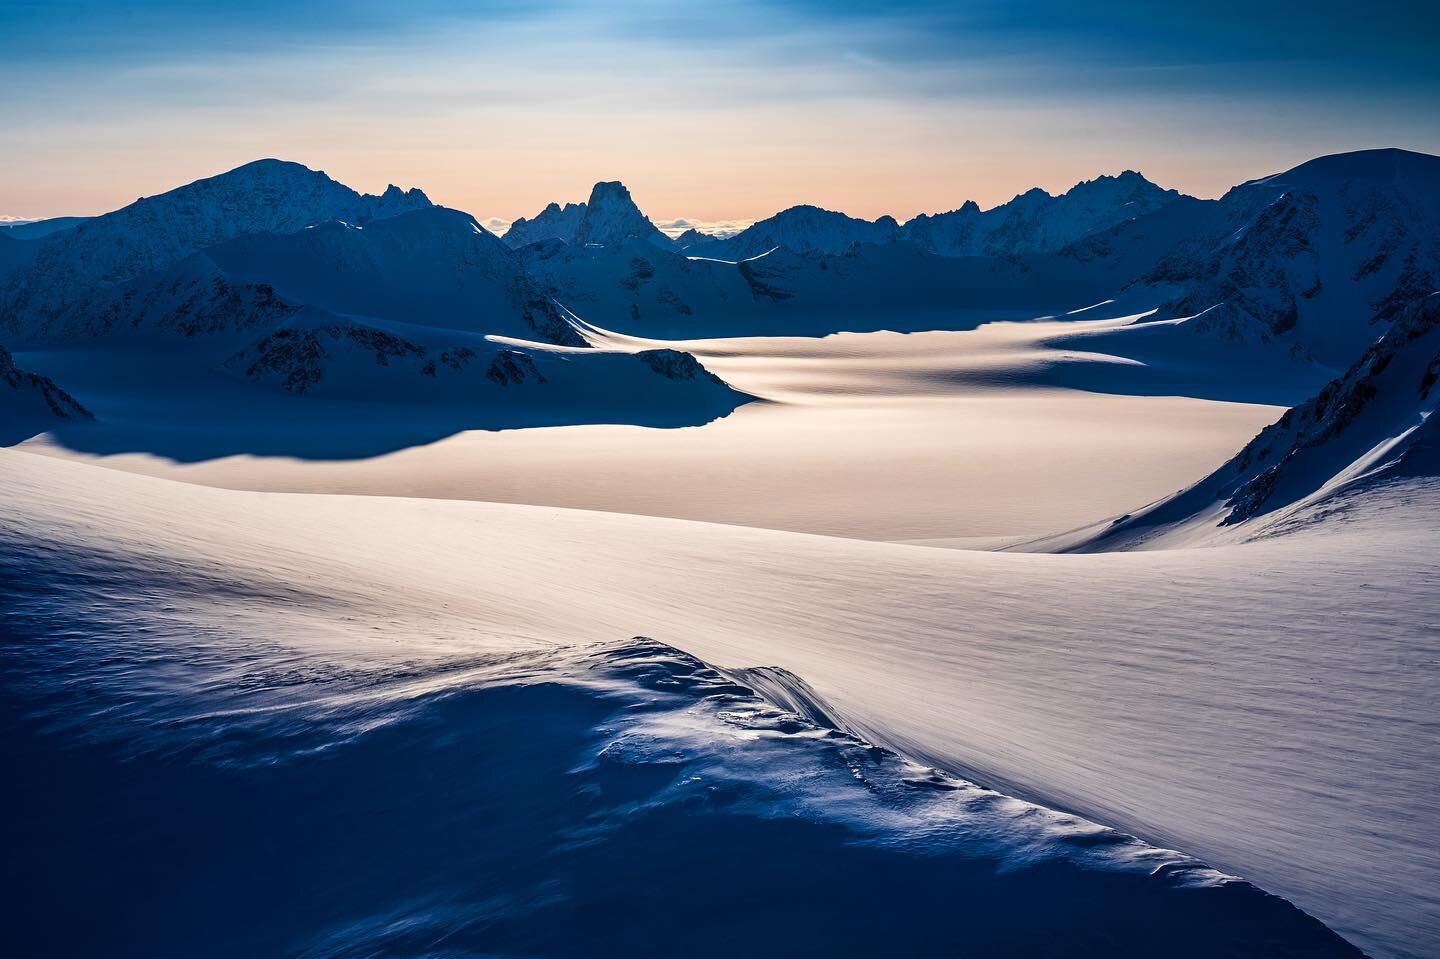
<point x="193" y="747"/>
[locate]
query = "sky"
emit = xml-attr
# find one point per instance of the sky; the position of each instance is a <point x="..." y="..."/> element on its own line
<point x="711" y="112"/>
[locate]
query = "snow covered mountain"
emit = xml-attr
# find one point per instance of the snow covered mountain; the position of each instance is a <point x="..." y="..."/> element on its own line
<point x="31" y="403"/>
<point x="15" y="253"/>
<point x="801" y="229"/>
<point x="502" y="383"/>
<point x="552" y="223"/>
<point x="433" y="267"/>
<point x="1034" y="222"/>
<point x="638" y="289"/>
<point x="609" y="217"/>
<point x="276" y="276"/>
<point x="154" y="233"/>
<point x="1318" y="260"/>
<point x="1370" y="426"/>
<point x="693" y="237"/>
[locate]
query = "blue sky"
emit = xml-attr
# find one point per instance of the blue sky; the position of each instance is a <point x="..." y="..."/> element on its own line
<point x="711" y="111"/>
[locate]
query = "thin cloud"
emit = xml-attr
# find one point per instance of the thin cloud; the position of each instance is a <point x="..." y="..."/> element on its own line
<point x="717" y="228"/>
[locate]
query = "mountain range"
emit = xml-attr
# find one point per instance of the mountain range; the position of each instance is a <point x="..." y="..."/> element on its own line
<point x="274" y="276"/>
<point x="1032" y="222"/>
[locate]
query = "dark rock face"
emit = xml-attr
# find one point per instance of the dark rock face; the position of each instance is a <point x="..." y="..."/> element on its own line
<point x="550" y="224"/>
<point x="60" y="403"/>
<point x="1319" y="259"/>
<point x="608" y="218"/>
<point x="677" y="365"/>
<point x="192" y="299"/>
<point x="760" y="287"/>
<point x="1255" y="279"/>
<point x="513" y="367"/>
<point x="1387" y="369"/>
<point x="296" y="357"/>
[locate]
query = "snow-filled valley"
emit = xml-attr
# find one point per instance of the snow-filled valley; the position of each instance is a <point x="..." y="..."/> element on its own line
<point x="373" y="585"/>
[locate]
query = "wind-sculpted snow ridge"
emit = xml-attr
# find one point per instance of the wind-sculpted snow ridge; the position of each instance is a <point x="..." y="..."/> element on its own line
<point x="154" y="233"/>
<point x="201" y="763"/>
<point x="1224" y="701"/>
<point x="1370" y="426"/>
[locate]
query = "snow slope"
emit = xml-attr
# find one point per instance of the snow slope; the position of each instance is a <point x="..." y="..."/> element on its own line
<point x="1368" y="426"/>
<point x="1172" y="694"/>
<point x="433" y="267"/>
<point x="15" y="253"/>
<point x="313" y="642"/>
<point x="984" y="432"/>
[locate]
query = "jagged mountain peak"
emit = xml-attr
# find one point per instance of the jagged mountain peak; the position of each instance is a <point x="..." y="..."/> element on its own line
<point x="1125" y="183"/>
<point x="1037" y="221"/>
<point x="610" y="190"/>
<point x="552" y="223"/>
<point x="414" y="195"/>
<point x="611" y="217"/>
<point x="693" y="236"/>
